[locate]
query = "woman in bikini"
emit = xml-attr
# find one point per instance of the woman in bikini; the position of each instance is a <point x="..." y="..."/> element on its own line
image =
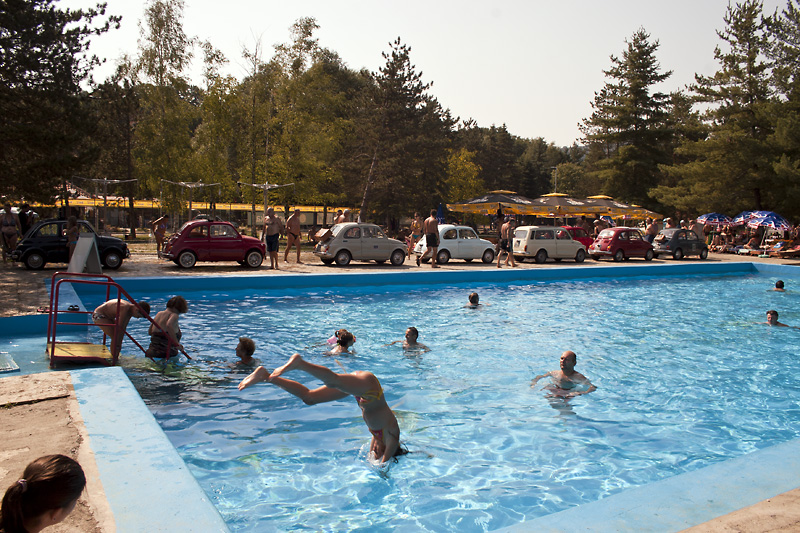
<point x="364" y="386"/>
<point x="416" y="233"/>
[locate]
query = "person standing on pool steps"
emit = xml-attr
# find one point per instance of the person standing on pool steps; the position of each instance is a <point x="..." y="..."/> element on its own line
<point x="167" y="345"/>
<point x="364" y="386"/>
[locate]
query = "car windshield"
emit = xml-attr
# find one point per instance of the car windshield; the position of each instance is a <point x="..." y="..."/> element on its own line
<point x="606" y="234"/>
<point x="184" y="226"/>
<point x="521" y="234"/>
<point x="336" y="229"/>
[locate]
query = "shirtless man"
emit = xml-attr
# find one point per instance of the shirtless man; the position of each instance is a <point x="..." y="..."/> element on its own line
<point x="244" y="351"/>
<point x="340" y="218"/>
<point x="293" y="236"/>
<point x="651" y="231"/>
<point x="772" y="319"/>
<point x="273" y="227"/>
<point x="565" y="380"/>
<point x="159" y="227"/>
<point x="779" y="286"/>
<point x="410" y="342"/>
<point x="507" y="242"/>
<point x="431" y="229"/>
<point x="106" y="316"/>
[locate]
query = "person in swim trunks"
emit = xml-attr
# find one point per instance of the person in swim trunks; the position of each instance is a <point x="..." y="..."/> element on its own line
<point x="566" y="382"/>
<point x="507" y="242"/>
<point x="431" y="227"/>
<point x="273" y="227"/>
<point x="107" y="314"/>
<point x="165" y="342"/>
<point x="293" y="236"/>
<point x="364" y="386"/>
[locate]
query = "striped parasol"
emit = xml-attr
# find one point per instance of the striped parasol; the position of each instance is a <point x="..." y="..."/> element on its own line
<point x="715" y="219"/>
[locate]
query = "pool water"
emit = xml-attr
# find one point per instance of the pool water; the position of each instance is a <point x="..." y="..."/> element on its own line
<point x="686" y="377"/>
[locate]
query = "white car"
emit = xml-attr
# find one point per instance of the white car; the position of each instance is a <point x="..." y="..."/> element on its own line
<point x="360" y="242"/>
<point x="458" y="242"/>
<point x="541" y="242"/>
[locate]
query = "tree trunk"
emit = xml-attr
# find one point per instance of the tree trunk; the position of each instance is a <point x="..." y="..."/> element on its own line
<point x="370" y="179"/>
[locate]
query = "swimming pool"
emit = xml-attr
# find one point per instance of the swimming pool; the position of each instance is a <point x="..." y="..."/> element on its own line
<point x="686" y="378"/>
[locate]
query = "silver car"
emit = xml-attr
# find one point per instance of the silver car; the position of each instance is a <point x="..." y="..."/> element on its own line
<point x="362" y="242"/>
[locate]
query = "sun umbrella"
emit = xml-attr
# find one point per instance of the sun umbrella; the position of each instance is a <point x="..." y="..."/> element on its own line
<point x="609" y="206"/>
<point x="507" y="201"/>
<point x="714" y="219"/>
<point x="559" y="204"/>
<point x="608" y="220"/>
<point x="440" y="214"/>
<point x="743" y="217"/>
<point x="773" y="220"/>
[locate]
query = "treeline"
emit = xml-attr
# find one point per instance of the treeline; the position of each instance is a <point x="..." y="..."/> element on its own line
<point x="380" y="141"/>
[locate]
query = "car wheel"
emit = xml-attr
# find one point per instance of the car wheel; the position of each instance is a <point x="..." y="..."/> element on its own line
<point x="580" y="256"/>
<point x="619" y="255"/>
<point x="488" y="256"/>
<point x="398" y="257"/>
<point x="541" y="256"/>
<point x="648" y="255"/>
<point x="34" y="261"/>
<point x="112" y="260"/>
<point x="704" y="253"/>
<point x="254" y="259"/>
<point x="327" y="262"/>
<point x="655" y="256"/>
<point x="677" y="254"/>
<point x="343" y="258"/>
<point x="442" y="257"/>
<point x="187" y="259"/>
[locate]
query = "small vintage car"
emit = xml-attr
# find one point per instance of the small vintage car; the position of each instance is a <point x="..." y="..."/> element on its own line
<point x="679" y="243"/>
<point x="361" y="242"/>
<point x="580" y="235"/>
<point x="621" y="244"/>
<point x="458" y="242"/>
<point x="46" y="242"/>
<point x="207" y="240"/>
<point x="543" y="242"/>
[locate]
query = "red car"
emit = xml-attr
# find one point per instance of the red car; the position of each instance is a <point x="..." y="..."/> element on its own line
<point x="208" y="240"/>
<point x="621" y="243"/>
<point x="579" y="234"/>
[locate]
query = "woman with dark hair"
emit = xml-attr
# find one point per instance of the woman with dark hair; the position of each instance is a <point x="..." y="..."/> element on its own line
<point x="343" y="340"/>
<point x="165" y="342"/>
<point x="45" y="495"/>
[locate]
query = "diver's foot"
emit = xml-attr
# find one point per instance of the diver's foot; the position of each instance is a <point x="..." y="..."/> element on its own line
<point x="259" y="374"/>
<point x="293" y="362"/>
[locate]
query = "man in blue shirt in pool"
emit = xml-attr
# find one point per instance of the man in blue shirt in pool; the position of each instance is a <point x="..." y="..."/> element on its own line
<point x="566" y="382"/>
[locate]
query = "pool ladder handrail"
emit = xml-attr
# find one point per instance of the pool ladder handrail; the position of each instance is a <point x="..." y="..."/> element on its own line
<point x="108" y="282"/>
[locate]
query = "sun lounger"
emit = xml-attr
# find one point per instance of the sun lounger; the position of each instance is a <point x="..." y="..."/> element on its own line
<point x="785" y="254"/>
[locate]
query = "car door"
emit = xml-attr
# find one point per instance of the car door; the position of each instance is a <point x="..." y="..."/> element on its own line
<point x="351" y="240"/>
<point x="197" y="241"/>
<point x="693" y="241"/>
<point x="449" y="240"/>
<point x="565" y="246"/>
<point x="544" y="239"/>
<point x="374" y="244"/>
<point x="637" y="245"/>
<point x="225" y="243"/>
<point x="469" y="245"/>
<point x="50" y="238"/>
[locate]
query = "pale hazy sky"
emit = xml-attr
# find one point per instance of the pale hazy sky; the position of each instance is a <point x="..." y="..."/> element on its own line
<point x="532" y="65"/>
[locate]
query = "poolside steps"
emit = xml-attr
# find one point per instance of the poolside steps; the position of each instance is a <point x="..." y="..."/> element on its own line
<point x="79" y="352"/>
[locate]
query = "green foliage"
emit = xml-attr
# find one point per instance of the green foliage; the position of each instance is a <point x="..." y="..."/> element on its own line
<point x="463" y="176"/>
<point x="43" y="117"/>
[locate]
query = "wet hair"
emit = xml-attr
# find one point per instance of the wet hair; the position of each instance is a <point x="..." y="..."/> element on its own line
<point x="779" y="284"/>
<point x="345" y="338"/>
<point x="178" y="303"/>
<point x="249" y="345"/>
<point x="415" y="331"/>
<point x="48" y="483"/>
<point x="401" y="450"/>
<point x="772" y="312"/>
<point x="474" y="298"/>
<point x="145" y="307"/>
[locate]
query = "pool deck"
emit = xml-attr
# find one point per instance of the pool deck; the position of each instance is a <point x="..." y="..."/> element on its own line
<point x="68" y="412"/>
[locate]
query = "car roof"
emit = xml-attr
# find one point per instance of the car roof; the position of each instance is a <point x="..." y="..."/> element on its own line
<point x="541" y="227"/>
<point x="669" y="231"/>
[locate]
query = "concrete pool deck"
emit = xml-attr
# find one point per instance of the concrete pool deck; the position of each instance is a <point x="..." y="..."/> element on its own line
<point x="777" y="512"/>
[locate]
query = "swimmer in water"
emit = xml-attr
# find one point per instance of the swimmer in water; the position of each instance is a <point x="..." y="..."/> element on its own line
<point x="364" y="386"/>
<point x="343" y="340"/>
<point x="244" y="351"/>
<point x="779" y="286"/>
<point x="474" y="301"/>
<point x="410" y="341"/>
<point x="566" y="382"/>
<point x="772" y="319"/>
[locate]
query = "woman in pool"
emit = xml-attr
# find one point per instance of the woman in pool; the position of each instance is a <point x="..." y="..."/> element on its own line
<point x="160" y="345"/>
<point x="366" y="388"/>
<point x="45" y="495"/>
<point x="343" y="340"/>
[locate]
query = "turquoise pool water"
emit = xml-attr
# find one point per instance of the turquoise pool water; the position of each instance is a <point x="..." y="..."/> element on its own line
<point x="686" y="377"/>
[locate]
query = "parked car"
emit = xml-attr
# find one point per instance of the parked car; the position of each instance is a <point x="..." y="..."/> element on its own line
<point x="207" y="240"/>
<point x="46" y="242"/>
<point x="580" y="235"/>
<point x="541" y="242"/>
<point x="362" y="242"/>
<point x="621" y="243"/>
<point x="680" y="243"/>
<point x="458" y="242"/>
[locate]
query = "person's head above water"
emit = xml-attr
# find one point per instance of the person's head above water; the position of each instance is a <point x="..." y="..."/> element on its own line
<point x="474" y="299"/>
<point x="412" y="334"/>
<point x="344" y="338"/>
<point x="779" y="285"/>
<point x="45" y="495"/>
<point x="178" y="304"/>
<point x="772" y="317"/>
<point x="246" y="348"/>
<point x="568" y="361"/>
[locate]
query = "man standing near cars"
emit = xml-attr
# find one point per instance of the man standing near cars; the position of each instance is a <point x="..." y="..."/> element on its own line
<point x="293" y="236"/>
<point x="507" y="242"/>
<point x="651" y="230"/>
<point x="431" y="229"/>
<point x="273" y="227"/>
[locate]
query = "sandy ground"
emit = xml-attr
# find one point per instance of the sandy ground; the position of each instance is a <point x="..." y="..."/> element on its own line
<point x="41" y="418"/>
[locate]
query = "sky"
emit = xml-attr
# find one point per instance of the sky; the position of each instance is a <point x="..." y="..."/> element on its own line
<point x="533" y="65"/>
